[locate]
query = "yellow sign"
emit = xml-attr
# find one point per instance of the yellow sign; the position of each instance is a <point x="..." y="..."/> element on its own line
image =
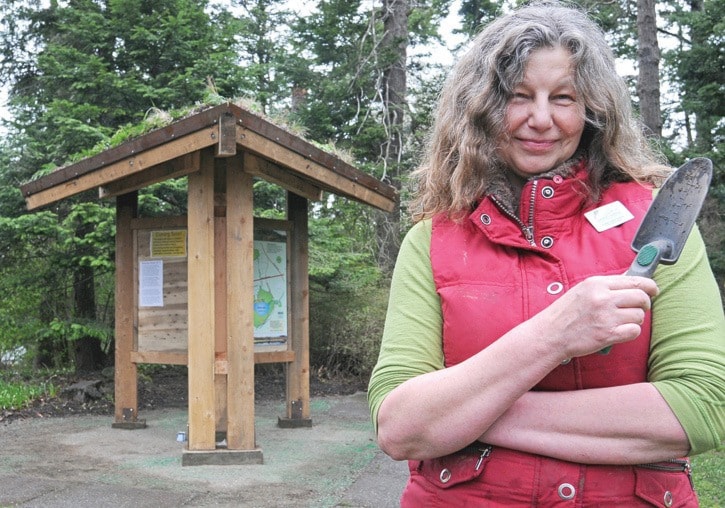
<point x="168" y="243"/>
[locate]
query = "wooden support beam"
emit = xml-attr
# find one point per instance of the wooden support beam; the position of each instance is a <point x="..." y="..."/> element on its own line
<point x="220" y="313"/>
<point x="126" y="167"/>
<point x="160" y="357"/>
<point x="126" y="376"/>
<point x="220" y="364"/>
<point x="240" y="302"/>
<point x="227" y="145"/>
<point x="262" y="168"/>
<point x="159" y="222"/>
<point x="175" y="168"/>
<point x="274" y="356"/>
<point x="201" y="306"/>
<point x="298" y="372"/>
<point x="319" y="174"/>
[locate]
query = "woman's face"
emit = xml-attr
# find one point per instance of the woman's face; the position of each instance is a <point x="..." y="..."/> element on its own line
<point x="545" y="117"/>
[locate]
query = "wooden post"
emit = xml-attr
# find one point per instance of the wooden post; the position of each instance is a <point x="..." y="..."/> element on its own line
<point x="240" y="302"/>
<point x="221" y="297"/>
<point x="298" y="372"/>
<point x="220" y="323"/>
<point x="125" y="378"/>
<point x="220" y="294"/>
<point x="201" y="306"/>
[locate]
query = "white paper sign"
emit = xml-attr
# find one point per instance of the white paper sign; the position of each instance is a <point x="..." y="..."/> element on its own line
<point x="151" y="283"/>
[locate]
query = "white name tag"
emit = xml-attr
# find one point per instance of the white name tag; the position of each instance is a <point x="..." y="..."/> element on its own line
<point x="608" y="216"/>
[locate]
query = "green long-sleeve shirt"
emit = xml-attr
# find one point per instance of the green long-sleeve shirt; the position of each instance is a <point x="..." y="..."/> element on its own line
<point x="687" y="351"/>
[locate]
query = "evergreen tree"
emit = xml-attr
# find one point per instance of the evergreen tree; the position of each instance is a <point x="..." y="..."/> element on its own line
<point x="77" y="72"/>
<point x="263" y="31"/>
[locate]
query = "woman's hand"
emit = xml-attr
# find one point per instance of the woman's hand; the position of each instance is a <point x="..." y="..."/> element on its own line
<point x="596" y="313"/>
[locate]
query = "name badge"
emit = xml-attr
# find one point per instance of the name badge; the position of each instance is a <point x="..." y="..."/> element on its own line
<point x="608" y="216"/>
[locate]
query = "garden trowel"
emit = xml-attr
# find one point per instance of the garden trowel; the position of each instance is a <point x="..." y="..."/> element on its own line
<point x="670" y="218"/>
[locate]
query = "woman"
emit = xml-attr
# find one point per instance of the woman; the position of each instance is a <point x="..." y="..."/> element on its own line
<point x="491" y="379"/>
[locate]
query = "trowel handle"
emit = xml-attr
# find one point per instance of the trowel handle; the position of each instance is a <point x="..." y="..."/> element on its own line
<point x="647" y="259"/>
<point x="644" y="265"/>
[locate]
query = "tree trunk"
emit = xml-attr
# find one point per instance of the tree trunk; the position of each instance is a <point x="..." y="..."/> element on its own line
<point x="49" y="351"/>
<point x="394" y="89"/>
<point x="648" y="54"/>
<point x="88" y="354"/>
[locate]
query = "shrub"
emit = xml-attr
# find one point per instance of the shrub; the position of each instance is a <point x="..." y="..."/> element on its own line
<point x="346" y="328"/>
<point x="16" y="395"/>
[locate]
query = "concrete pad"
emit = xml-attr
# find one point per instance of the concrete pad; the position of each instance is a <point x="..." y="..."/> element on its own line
<point x="83" y="462"/>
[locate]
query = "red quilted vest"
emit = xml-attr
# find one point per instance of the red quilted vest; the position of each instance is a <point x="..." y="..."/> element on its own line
<point x="493" y="271"/>
<point x="487" y="272"/>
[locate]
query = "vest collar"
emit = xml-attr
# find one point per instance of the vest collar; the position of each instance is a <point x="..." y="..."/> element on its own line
<point x="505" y="193"/>
<point x="543" y="206"/>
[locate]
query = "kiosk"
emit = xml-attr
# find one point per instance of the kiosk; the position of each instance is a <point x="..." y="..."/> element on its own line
<point x="217" y="290"/>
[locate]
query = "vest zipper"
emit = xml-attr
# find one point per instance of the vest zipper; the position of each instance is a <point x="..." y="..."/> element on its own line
<point x="485" y="452"/>
<point x="527" y="230"/>
<point x="672" y="465"/>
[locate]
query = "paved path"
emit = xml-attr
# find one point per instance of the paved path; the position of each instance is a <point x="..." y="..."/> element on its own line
<point x="83" y="462"/>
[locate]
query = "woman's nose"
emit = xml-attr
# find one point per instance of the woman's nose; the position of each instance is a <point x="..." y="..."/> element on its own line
<point x="540" y="115"/>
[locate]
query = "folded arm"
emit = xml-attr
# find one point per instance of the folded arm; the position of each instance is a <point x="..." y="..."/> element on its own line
<point x="629" y="424"/>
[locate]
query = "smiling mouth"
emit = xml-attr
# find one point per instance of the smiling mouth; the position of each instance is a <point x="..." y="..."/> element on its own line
<point x="537" y="145"/>
<point x="542" y="141"/>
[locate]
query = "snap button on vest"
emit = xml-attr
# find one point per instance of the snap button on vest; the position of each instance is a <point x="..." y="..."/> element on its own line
<point x="566" y="362"/>
<point x="547" y="192"/>
<point x="558" y="179"/>
<point x="547" y="242"/>
<point x="668" y="499"/>
<point x="445" y="475"/>
<point x="485" y="219"/>
<point x="555" y="288"/>
<point x="567" y="491"/>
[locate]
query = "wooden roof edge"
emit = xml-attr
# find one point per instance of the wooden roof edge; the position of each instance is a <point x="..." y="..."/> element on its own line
<point x="310" y="151"/>
<point x="200" y="120"/>
<point x="126" y="149"/>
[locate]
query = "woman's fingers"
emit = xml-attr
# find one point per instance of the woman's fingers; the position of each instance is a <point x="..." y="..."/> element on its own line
<point x="631" y="299"/>
<point x="601" y="311"/>
<point x="649" y="286"/>
<point x="629" y="326"/>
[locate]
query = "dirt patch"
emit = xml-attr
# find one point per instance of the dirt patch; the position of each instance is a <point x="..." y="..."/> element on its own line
<point x="161" y="386"/>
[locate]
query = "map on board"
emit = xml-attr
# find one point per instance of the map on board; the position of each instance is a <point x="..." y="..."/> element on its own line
<point x="270" y="290"/>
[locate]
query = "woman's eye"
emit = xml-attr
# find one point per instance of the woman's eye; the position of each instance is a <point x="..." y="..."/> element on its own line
<point x="564" y="98"/>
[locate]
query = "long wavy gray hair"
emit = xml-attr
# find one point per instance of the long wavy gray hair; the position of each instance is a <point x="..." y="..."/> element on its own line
<point x="470" y="120"/>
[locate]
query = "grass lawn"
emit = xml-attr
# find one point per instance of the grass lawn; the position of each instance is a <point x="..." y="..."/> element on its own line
<point x="708" y="473"/>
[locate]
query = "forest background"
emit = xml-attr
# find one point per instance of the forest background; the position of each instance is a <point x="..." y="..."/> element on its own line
<point x="359" y="78"/>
